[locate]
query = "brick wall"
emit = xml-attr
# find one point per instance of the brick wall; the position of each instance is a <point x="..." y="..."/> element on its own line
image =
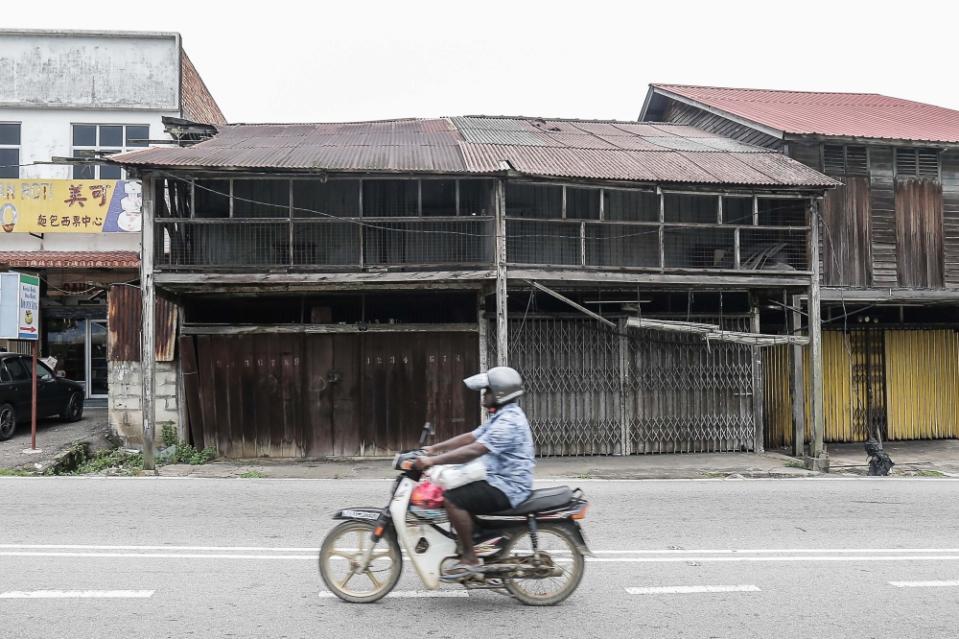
<point x="125" y="402"/>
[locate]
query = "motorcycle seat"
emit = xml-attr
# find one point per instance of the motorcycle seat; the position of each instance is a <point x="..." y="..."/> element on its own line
<point x="540" y="500"/>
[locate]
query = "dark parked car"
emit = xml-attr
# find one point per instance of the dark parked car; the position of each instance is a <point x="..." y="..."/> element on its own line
<point x="55" y="395"/>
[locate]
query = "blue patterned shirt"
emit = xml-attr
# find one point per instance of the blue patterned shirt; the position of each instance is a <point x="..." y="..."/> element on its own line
<point x="509" y="463"/>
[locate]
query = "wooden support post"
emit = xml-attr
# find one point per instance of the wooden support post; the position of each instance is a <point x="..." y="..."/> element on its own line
<point x="759" y="394"/>
<point x="502" y="328"/>
<point x="797" y="379"/>
<point x="625" y="409"/>
<point x="148" y="332"/>
<point x="815" y="338"/>
<point x="482" y="327"/>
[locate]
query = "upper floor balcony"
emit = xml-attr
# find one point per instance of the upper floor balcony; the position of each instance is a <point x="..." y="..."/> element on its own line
<point x="414" y="224"/>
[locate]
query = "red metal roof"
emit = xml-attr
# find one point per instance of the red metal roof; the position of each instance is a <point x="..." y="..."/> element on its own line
<point x="866" y="115"/>
<point x="587" y="149"/>
<point x="70" y="259"/>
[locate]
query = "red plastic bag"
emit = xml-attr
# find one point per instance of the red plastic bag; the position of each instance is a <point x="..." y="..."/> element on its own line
<point x="427" y="495"/>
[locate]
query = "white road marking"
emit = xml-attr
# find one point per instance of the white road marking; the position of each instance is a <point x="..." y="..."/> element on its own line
<point x="925" y="584"/>
<point x="413" y="594"/>
<point x="653" y="551"/>
<point x="147" y="555"/>
<point x="685" y="590"/>
<point x="810" y="558"/>
<point x="266" y="553"/>
<point x="77" y="594"/>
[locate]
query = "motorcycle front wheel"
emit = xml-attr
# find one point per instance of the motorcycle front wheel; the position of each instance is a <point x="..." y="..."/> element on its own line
<point x="340" y="558"/>
<point x="559" y="553"/>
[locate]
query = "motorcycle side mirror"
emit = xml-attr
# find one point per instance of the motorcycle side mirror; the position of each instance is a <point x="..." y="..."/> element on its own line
<point x="426" y="433"/>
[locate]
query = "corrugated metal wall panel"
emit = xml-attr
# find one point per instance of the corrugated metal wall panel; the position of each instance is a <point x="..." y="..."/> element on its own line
<point x="124" y="321"/>
<point x="922" y="384"/>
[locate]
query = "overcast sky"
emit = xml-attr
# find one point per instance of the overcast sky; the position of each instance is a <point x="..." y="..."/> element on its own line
<point x="283" y="61"/>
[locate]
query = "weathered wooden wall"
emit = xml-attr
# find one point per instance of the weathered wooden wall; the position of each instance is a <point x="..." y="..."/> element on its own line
<point x="919" y="231"/>
<point x="317" y="395"/>
<point x="950" y="216"/>
<point x="847" y="229"/>
<point x="680" y="113"/>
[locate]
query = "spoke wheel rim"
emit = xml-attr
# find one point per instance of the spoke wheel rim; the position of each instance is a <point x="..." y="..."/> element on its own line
<point x="558" y="551"/>
<point x="342" y="554"/>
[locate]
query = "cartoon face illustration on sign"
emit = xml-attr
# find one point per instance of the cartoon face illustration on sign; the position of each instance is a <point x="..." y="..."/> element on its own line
<point x="130" y="218"/>
<point x="8" y="217"/>
<point x="28" y="317"/>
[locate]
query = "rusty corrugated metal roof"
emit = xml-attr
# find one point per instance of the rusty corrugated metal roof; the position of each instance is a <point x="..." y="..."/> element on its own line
<point x="866" y="115"/>
<point x="586" y="149"/>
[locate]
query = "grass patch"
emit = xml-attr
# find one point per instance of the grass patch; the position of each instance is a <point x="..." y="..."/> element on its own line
<point x="795" y="464"/>
<point x="252" y="474"/>
<point x="182" y="452"/>
<point x="14" y="472"/>
<point x="931" y="473"/>
<point x="117" y="460"/>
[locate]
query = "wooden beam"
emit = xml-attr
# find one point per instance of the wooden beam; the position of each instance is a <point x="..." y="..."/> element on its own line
<point x="578" y="307"/>
<point x="148" y="330"/>
<point x="300" y="329"/>
<point x="797" y="378"/>
<point x="889" y="295"/>
<point x="561" y="275"/>
<point x="374" y="277"/>
<point x="502" y="291"/>
<point x="815" y="339"/>
<point x="759" y="395"/>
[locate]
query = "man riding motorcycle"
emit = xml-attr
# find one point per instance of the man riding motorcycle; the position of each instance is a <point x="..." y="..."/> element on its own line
<point x="506" y="444"/>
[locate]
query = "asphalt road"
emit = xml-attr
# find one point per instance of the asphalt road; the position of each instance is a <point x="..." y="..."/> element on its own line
<point x="234" y="558"/>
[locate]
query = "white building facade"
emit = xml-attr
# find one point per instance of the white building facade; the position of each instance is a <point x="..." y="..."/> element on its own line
<point x="73" y="94"/>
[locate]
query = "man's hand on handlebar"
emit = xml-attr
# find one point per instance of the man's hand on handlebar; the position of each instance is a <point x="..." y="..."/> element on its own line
<point x="422" y="463"/>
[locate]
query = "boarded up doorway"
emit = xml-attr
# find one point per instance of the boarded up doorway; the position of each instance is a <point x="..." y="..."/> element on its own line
<point x="329" y="394"/>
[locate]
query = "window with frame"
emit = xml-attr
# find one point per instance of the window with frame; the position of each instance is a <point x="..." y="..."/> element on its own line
<point x="95" y="140"/>
<point x="917" y="163"/>
<point x="840" y="159"/>
<point x="9" y="150"/>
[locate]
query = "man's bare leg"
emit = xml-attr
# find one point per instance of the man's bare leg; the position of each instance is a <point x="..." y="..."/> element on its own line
<point x="463" y="525"/>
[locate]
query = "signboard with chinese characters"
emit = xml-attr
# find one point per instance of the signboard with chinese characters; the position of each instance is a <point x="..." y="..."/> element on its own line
<point x="19" y="306"/>
<point x="70" y="206"/>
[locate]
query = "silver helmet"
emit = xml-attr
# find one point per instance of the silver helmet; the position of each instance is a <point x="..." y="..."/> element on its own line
<point x="504" y="383"/>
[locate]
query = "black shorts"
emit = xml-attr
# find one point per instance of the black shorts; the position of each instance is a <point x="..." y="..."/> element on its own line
<point x="478" y="498"/>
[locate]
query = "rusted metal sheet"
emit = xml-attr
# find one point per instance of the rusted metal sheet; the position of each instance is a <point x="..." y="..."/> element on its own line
<point x="124" y="320"/>
<point x="847" y="236"/>
<point x="70" y="259"/>
<point x="866" y="115"/>
<point x="481" y="145"/>
<point x="919" y="232"/>
<point x="295" y="395"/>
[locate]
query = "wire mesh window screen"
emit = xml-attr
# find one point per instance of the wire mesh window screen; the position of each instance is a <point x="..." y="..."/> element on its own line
<point x="773" y="250"/>
<point x="390" y="198"/>
<point x="737" y="210"/>
<point x="326" y="243"/>
<point x="622" y="245"/>
<point x="702" y="209"/>
<point x="261" y="198"/>
<point x="543" y="242"/>
<point x="227" y="244"/>
<point x="451" y="242"/>
<point x="699" y="248"/>
<point x="316" y="198"/>
<point x="630" y="206"/>
<point x="534" y="200"/>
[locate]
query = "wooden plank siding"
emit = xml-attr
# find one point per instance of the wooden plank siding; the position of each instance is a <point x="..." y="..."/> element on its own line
<point x="950" y="216"/>
<point x="318" y="395"/>
<point x="846" y="248"/>
<point x="680" y="113"/>
<point x="919" y="249"/>
<point x="883" y="207"/>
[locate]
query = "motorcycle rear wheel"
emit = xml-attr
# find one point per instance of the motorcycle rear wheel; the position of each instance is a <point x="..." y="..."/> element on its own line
<point x="340" y="556"/>
<point x="559" y="548"/>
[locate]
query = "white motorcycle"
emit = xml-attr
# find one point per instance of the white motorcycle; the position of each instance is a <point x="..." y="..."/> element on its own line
<point x="534" y="552"/>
